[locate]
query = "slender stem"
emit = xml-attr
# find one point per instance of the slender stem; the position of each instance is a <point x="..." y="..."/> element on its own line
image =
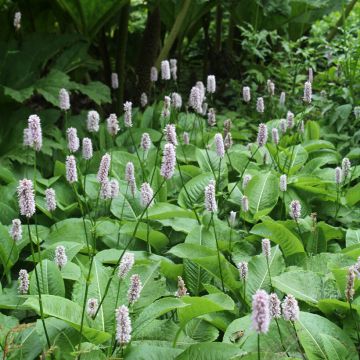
<point x="126" y="247"/>
<point x="38" y="286"/>
<point x="148" y="231"/>
<point x="356" y="323"/>
<point x="113" y="342"/>
<point x="281" y="338"/>
<point x="268" y="267"/>
<point x="138" y="156"/>
<point x="218" y="252"/>
<point x="6" y="264"/>
<point x="218" y="182"/>
<point x="156" y="157"/>
<point x="337" y="207"/>
<point x="299" y="230"/>
<point x="244" y="286"/>
<point x="297" y="339"/>
<point x="258" y="345"/>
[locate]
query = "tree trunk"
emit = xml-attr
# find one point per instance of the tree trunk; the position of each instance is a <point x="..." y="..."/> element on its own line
<point x="149" y="50"/>
<point x="121" y="54"/>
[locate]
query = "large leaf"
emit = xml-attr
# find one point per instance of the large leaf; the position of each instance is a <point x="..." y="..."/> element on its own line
<point x="8" y="249"/>
<point x="68" y="311"/>
<point x="195" y="189"/>
<point x="304" y="285"/>
<point x="262" y="192"/>
<point x="206" y="351"/>
<point x="258" y="277"/>
<point x="279" y="234"/>
<point x="311" y="329"/>
<point x="50" y="279"/>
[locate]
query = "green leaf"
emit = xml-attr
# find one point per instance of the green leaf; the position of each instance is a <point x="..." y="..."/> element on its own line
<point x="304" y="285"/>
<point x="203" y="305"/>
<point x="334" y="349"/>
<point x="50" y="279"/>
<point x="279" y="234"/>
<point x="262" y="192"/>
<point x="201" y="331"/>
<point x="294" y="158"/>
<point x="154" y="310"/>
<point x="209" y="162"/>
<point x="311" y="328"/>
<point x="352" y="237"/>
<point x="206" y="351"/>
<point x="8" y="249"/>
<point x="95" y="90"/>
<point x="258" y="277"/>
<point x="143" y="351"/>
<point x="353" y="195"/>
<point x="162" y="211"/>
<point x="195" y="188"/>
<point x="68" y="311"/>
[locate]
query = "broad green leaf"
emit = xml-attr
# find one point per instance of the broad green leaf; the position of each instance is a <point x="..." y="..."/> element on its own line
<point x="162" y="211"/>
<point x="50" y="279"/>
<point x="279" y="234"/>
<point x="352" y="237"/>
<point x="201" y="331"/>
<point x="68" y="311"/>
<point x="8" y="249"/>
<point x="154" y="310"/>
<point x="258" y="277"/>
<point x="293" y="159"/>
<point x="142" y="351"/>
<point x="334" y="349"/>
<point x="311" y="328"/>
<point x="304" y="285"/>
<point x="203" y="305"/>
<point x="195" y="188"/>
<point x="262" y="192"/>
<point x="206" y="351"/>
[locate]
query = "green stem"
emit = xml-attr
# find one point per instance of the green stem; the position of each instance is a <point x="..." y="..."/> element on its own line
<point x="218" y="252"/>
<point x="281" y="338"/>
<point x="258" y="345"/>
<point x="38" y="287"/>
<point x="6" y="264"/>
<point x="138" y="156"/>
<point x="268" y="267"/>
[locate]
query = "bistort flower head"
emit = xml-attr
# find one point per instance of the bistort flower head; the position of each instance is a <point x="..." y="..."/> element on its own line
<point x="165" y="70"/>
<point x="170" y="134"/>
<point x="246" y="94"/>
<point x="307" y="92"/>
<point x="211" y="84"/>
<point x="345" y="167"/>
<point x="16" y="230"/>
<point x="260" y="312"/>
<point x="17" y="20"/>
<point x="73" y="140"/>
<point x="50" y="199"/>
<point x="195" y="100"/>
<point x="260" y="106"/>
<point x="143" y="100"/>
<point x="290" y="119"/>
<point x="135" y="288"/>
<point x="283" y="183"/>
<point x="92" y="122"/>
<point x="295" y="209"/>
<point x="176" y="100"/>
<point x="290" y="308"/>
<point x="114" y="81"/>
<point x="34" y="126"/>
<point x="123" y="328"/>
<point x="232" y="218"/>
<point x="282" y="98"/>
<point x="130" y="177"/>
<point x="104" y="168"/>
<point x="350" y="283"/>
<point x="210" y="199"/>
<point x="173" y="68"/>
<point x="87" y="149"/>
<point x="145" y="142"/>
<point x="211" y="117"/>
<point x="283" y="126"/>
<point x="275" y="136"/>
<point x="271" y="87"/>
<point x="262" y="135"/>
<point x="186" y="138"/>
<point x="338" y="175"/>
<point x="219" y="145"/>
<point x="71" y="171"/>
<point x="60" y="256"/>
<point x="112" y="124"/>
<point x="245" y="203"/>
<point x="153" y="74"/>
<point x="165" y="113"/>
<point x="274" y="306"/>
<point x="126" y="264"/>
<point x="147" y="194"/>
<point x="243" y="269"/>
<point x="26" y="197"/>
<point x="168" y="161"/>
<point x="64" y="100"/>
<point x="228" y="142"/>
<point x="23" y="281"/>
<point x="266" y="247"/>
<point x="128" y="114"/>
<point x="246" y="179"/>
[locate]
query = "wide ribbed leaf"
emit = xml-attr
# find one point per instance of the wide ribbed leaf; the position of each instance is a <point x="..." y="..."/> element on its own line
<point x="262" y="192"/>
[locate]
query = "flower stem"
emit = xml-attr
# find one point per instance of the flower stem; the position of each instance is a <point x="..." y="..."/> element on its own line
<point x="218" y="252"/>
